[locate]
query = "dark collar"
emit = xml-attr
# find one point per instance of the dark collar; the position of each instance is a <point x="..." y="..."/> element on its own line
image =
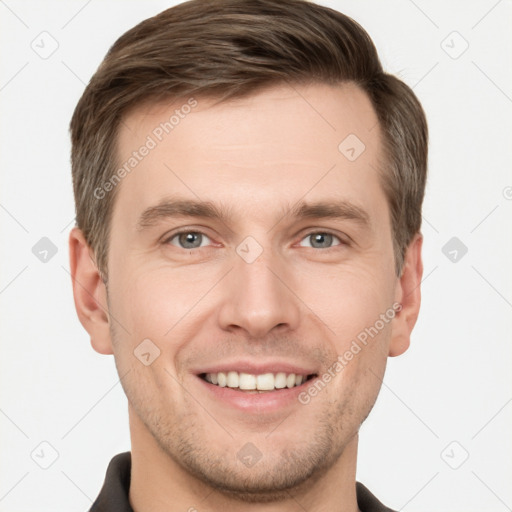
<point x="114" y="493"/>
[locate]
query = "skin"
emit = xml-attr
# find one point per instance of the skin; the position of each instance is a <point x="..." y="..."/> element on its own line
<point x="258" y="156"/>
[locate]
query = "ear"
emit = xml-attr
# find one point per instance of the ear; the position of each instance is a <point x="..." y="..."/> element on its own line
<point x="89" y="292"/>
<point x="408" y="293"/>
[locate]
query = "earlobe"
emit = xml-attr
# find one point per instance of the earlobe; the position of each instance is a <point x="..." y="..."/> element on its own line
<point x="408" y="294"/>
<point x="89" y="292"/>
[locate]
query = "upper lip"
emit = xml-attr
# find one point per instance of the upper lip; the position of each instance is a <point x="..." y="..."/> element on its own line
<point x="255" y="368"/>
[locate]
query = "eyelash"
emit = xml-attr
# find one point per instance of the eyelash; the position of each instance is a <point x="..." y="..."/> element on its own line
<point x="313" y="232"/>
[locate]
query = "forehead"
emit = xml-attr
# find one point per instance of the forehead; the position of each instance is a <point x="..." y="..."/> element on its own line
<point x="268" y="149"/>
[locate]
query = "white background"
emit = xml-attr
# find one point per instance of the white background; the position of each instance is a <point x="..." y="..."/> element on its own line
<point x="454" y="383"/>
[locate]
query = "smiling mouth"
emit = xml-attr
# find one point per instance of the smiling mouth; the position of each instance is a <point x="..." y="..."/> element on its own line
<point x="249" y="383"/>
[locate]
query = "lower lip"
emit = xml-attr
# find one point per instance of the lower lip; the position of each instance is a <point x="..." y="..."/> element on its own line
<point x="269" y="401"/>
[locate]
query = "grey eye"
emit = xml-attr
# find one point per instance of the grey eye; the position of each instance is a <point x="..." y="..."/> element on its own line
<point x="188" y="239"/>
<point x="321" y="240"/>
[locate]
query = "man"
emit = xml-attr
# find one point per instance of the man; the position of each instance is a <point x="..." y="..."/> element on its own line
<point x="248" y="186"/>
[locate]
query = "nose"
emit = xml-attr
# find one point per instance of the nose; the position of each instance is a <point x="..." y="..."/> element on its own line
<point x="258" y="297"/>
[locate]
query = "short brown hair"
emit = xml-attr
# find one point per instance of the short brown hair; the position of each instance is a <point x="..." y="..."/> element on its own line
<point x="230" y="49"/>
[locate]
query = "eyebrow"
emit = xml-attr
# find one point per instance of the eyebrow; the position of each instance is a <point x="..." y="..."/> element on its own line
<point x="169" y="208"/>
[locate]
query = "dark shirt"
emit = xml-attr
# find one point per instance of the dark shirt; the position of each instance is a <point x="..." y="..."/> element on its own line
<point x="114" y="493"/>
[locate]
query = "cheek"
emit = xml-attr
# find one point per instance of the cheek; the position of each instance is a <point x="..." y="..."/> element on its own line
<point x="145" y="348"/>
<point x="358" y="371"/>
<point x="350" y="306"/>
<point x="152" y="302"/>
<point x="346" y="300"/>
<point x="161" y="305"/>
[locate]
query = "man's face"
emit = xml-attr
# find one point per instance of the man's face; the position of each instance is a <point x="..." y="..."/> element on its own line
<point x="260" y="286"/>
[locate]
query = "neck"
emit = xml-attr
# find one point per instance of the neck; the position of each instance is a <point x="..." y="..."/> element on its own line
<point x="160" y="484"/>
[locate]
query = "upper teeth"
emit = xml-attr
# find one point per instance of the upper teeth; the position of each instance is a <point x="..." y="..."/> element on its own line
<point x="265" y="381"/>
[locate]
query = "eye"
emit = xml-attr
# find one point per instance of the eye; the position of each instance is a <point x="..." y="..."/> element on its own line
<point x="188" y="239"/>
<point x="321" y="240"/>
